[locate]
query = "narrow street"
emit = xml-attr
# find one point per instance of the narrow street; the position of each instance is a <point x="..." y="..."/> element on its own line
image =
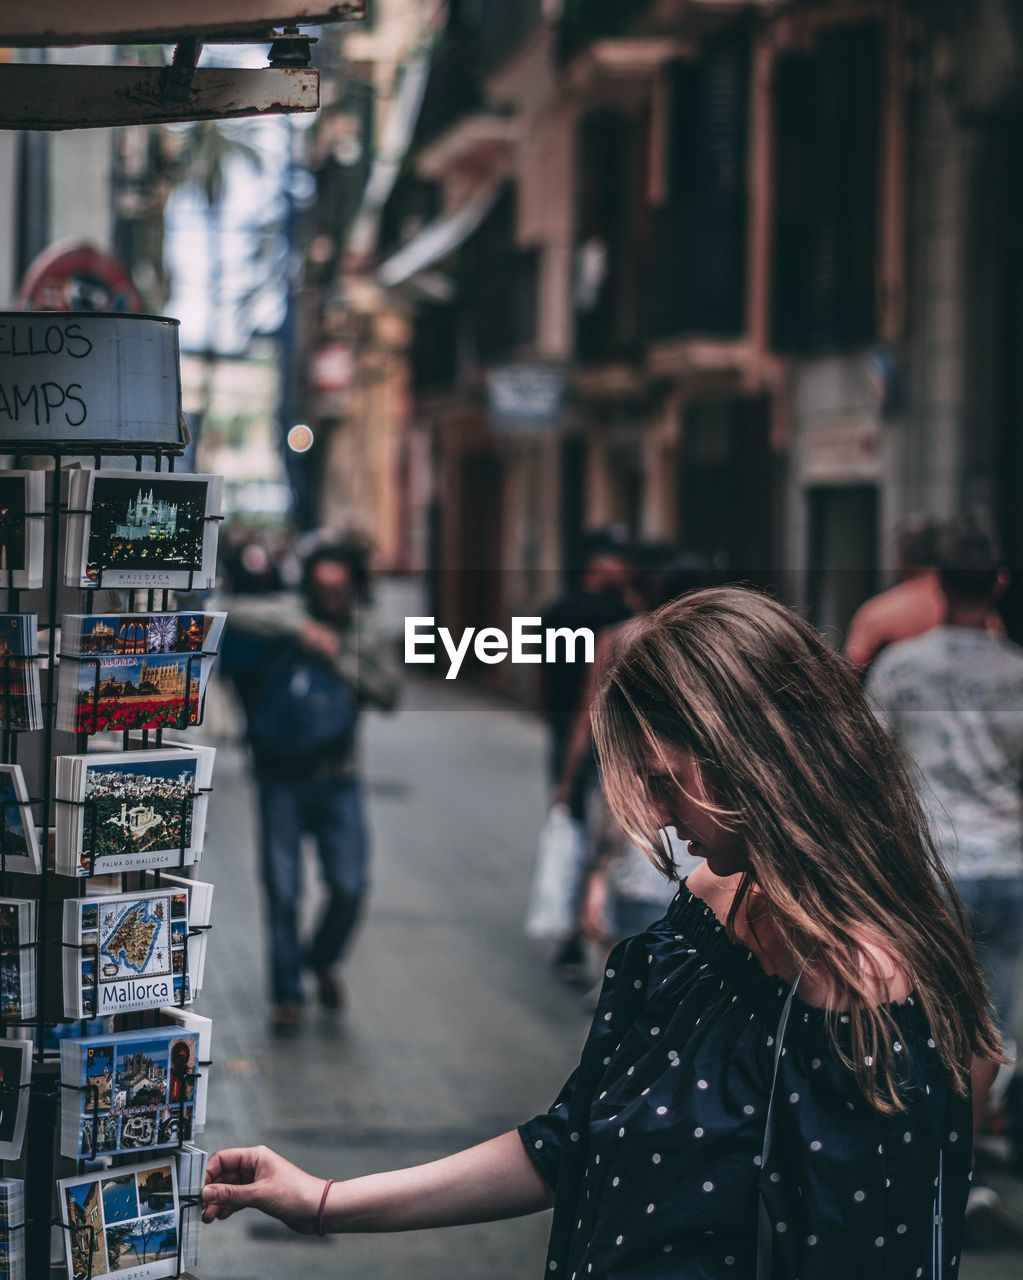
<point x="456" y="1030"/>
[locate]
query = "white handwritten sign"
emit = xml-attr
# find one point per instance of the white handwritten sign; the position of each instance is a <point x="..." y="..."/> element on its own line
<point x="84" y="376"/>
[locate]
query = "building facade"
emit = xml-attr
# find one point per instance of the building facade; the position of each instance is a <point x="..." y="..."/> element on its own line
<point x="771" y="252"/>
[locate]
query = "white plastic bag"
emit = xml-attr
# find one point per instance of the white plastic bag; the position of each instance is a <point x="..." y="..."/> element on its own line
<point x="554" y="896"/>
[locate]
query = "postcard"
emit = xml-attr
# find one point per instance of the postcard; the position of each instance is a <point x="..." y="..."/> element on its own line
<point x="191" y="1164"/>
<point x="15" y="1074"/>
<point x="135" y="671"/>
<point x="22" y="528"/>
<point x="18" y="938"/>
<point x="142" y="529"/>
<point x="122" y="1222"/>
<point x="12" y="1223"/>
<point x="132" y="812"/>
<point x="129" y="1092"/>
<point x="19" y="843"/>
<point x="126" y="952"/>
<point x="142" y="691"/>
<point x="20" y="705"/>
<point x="140" y="633"/>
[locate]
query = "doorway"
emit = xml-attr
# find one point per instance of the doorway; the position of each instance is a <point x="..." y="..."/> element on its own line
<point x="842" y="556"/>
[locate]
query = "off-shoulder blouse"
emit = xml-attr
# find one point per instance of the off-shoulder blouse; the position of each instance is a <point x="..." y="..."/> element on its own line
<point x="653" y="1147"/>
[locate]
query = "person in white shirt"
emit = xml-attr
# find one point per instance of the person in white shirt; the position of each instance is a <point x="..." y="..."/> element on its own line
<point x="953" y="697"/>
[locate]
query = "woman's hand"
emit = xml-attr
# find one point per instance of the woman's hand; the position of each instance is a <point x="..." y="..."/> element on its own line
<point x="258" y="1178"/>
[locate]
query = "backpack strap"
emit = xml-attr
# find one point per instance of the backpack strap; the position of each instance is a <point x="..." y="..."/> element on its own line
<point x="764" y="1228"/>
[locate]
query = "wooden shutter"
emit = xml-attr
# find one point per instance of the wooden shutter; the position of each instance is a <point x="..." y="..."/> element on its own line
<point x="699" y="258"/>
<point x="612" y="209"/>
<point x="826" y="146"/>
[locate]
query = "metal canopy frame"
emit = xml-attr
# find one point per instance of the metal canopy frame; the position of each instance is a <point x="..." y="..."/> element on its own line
<point x="58" y="96"/>
<point x="62" y="97"/>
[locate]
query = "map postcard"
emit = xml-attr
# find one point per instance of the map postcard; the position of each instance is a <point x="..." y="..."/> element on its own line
<point x="22" y="496"/>
<point x="133" y="949"/>
<point x="142" y="529"/>
<point x="132" y="812"/>
<point x="131" y="1092"/>
<point x="121" y="1222"/>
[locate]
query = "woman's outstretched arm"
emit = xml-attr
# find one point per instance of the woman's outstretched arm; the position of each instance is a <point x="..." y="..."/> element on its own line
<point x="494" y="1180"/>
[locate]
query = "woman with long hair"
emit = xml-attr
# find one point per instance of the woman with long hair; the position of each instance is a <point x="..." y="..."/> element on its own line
<point x="776" y="1083"/>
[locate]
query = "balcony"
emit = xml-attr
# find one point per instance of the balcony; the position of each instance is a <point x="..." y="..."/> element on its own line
<point x="457" y="125"/>
<point x="584" y="22"/>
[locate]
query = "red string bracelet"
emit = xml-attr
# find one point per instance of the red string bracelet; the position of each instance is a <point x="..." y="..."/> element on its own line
<point x="320" y="1226"/>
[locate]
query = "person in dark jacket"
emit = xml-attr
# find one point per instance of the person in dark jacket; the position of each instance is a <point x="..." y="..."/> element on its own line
<point x="328" y="626"/>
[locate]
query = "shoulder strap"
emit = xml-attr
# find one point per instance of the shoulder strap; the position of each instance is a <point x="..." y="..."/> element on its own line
<point x="764" y="1230"/>
<point x="938" y="1243"/>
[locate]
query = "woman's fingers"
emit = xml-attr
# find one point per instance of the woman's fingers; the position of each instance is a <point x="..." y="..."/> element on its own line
<point x="233" y="1182"/>
<point x="232" y="1196"/>
<point x="233" y="1164"/>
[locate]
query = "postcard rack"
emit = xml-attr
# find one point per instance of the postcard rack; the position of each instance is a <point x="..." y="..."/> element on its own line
<point x="39" y="1159"/>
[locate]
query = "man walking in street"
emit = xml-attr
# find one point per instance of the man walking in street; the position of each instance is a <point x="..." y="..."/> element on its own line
<point x="914" y="605"/>
<point x="954" y="699"/>
<point x="305" y="666"/>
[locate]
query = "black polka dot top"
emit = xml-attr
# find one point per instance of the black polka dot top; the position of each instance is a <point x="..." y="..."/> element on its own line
<point x="653" y="1147"/>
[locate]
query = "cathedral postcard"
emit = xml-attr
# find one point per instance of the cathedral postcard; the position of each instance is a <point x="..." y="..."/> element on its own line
<point x="142" y="529"/>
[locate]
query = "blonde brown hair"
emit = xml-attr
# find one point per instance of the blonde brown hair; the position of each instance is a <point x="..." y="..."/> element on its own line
<point x="839" y="845"/>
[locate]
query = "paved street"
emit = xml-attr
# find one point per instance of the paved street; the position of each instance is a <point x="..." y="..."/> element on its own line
<point x="455" y="1032"/>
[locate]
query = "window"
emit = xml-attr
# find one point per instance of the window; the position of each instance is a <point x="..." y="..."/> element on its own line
<point x="612" y="236"/>
<point x="500" y="286"/>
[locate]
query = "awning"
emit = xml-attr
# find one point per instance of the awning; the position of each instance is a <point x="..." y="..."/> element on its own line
<point x="394" y="143"/>
<point x="440" y="238"/>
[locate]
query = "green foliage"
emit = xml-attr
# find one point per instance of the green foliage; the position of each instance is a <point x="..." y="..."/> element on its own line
<point x="209" y="149"/>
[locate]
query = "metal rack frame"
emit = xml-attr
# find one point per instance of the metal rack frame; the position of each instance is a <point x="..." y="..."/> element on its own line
<point x="45" y="1088"/>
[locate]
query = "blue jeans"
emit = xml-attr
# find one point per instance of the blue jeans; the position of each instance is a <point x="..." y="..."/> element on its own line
<point x="331" y="810"/>
<point x="994" y="908"/>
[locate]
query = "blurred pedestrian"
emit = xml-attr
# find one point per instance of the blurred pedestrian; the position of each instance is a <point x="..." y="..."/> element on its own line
<point x="914" y="605"/>
<point x="953" y="698"/>
<point x="247" y="564"/>
<point x="601" y="600"/>
<point x="776" y="1078"/>
<point x="624" y="891"/>
<point x="305" y="666"/>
